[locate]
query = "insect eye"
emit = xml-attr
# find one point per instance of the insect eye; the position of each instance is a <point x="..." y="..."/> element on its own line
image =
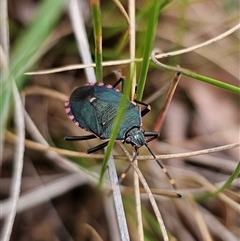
<point x="128" y="140"/>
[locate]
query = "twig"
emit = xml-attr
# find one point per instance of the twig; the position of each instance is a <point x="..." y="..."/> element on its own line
<point x="122" y="10"/>
<point x="10" y="137"/>
<point x="127" y="61"/>
<point x="198" y="46"/>
<point x="196" y="153"/>
<point x="132" y="31"/>
<point x="118" y="200"/>
<point x="75" y="14"/>
<point x="164" y="109"/>
<point x="149" y="193"/>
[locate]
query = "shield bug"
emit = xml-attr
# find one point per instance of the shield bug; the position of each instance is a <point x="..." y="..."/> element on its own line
<point x="94" y="107"/>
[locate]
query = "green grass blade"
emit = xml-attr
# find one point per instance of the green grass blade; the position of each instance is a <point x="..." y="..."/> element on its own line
<point x="218" y="83"/>
<point x="226" y="185"/>
<point x="33" y="37"/>
<point x="152" y="21"/>
<point x="24" y="55"/>
<point x="117" y="122"/>
<point x="212" y="81"/>
<point x="97" y="28"/>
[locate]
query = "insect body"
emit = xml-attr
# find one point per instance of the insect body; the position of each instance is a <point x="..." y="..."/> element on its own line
<point x="94" y="107"/>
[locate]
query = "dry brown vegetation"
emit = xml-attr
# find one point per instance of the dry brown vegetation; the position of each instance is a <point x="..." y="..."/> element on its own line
<point x="59" y="201"/>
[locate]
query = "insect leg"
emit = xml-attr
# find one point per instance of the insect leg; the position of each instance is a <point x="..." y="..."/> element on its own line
<point x="96" y="148"/>
<point x="121" y="79"/>
<point x="146" y="109"/>
<point x="79" y="138"/>
<point x="153" y="135"/>
<point x="82" y="138"/>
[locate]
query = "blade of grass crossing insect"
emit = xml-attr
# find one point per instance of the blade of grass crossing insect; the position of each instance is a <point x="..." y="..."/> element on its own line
<point x="117" y="122"/>
<point x="152" y="20"/>
<point x="97" y="28"/>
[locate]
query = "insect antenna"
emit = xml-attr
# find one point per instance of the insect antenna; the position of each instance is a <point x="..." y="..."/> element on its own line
<point x="123" y="175"/>
<point x="171" y="180"/>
